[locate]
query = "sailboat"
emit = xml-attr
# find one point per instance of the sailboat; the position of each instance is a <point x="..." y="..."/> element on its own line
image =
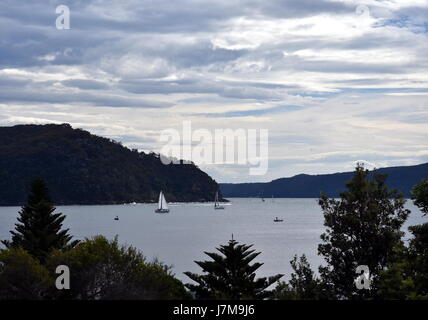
<point x="162" y="205"/>
<point x="216" y="203"/>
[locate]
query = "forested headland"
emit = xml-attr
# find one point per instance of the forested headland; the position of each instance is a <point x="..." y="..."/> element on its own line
<point x="82" y="168"/>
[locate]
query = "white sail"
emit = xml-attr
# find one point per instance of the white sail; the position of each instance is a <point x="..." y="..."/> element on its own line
<point x="217" y="203"/>
<point x="162" y="205"/>
<point x="160" y="200"/>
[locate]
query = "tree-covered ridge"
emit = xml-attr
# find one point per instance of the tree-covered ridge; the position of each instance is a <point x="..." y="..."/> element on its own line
<point x="310" y="186"/>
<point x="82" y="168"/>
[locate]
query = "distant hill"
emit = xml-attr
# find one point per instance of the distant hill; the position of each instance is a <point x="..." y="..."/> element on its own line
<point x="310" y="186"/>
<point x="81" y="168"/>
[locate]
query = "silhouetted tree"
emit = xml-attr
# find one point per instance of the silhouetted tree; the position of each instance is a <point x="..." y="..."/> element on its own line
<point x="101" y="269"/>
<point x="395" y="282"/>
<point x="363" y="227"/>
<point x="39" y="230"/>
<point x="418" y="258"/>
<point x="420" y="196"/>
<point x="230" y="275"/>
<point x="407" y="275"/>
<point x="303" y="284"/>
<point x="22" y="276"/>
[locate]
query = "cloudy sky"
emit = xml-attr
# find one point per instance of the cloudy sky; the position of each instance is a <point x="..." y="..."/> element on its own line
<point x="334" y="81"/>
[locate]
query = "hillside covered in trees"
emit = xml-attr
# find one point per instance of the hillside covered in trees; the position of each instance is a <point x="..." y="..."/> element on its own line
<point x="82" y="168"/>
<point x="309" y="186"/>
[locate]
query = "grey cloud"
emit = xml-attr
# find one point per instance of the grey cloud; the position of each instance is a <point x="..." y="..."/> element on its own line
<point x="302" y="8"/>
<point x="340" y="66"/>
<point x="254" y="112"/>
<point x="167" y="87"/>
<point x="202" y="54"/>
<point x="226" y="89"/>
<point x="103" y="100"/>
<point x="6" y="82"/>
<point x="85" y="84"/>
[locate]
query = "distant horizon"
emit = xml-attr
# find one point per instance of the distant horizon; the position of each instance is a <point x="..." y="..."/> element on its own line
<point x="321" y="174"/>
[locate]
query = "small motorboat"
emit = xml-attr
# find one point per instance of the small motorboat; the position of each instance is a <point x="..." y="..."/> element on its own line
<point x="278" y="220"/>
<point x="116" y="218"/>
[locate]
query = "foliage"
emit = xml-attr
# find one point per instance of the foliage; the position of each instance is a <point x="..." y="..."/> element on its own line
<point x="230" y="275"/>
<point x="101" y="269"/>
<point x="22" y="276"/>
<point x="395" y="282"/>
<point x="418" y="259"/>
<point x="81" y="168"/>
<point x="303" y="284"/>
<point x="39" y="230"/>
<point x="363" y="227"/>
<point x="407" y="275"/>
<point x="420" y="196"/>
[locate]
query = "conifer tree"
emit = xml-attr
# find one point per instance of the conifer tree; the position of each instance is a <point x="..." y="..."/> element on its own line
<point x="230" y="275"/>
<point x="39" y="228"/>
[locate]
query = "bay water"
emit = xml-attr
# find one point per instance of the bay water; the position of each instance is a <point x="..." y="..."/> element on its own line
<point x="181" y="236"/>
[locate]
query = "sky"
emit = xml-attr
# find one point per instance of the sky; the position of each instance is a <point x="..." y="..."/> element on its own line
<point x="333" y="81"/>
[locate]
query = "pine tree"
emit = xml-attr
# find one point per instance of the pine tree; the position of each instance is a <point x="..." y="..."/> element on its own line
<point x="231" y="276"/>
<point x="363" y="227"/>
<point x="39" y="230"/>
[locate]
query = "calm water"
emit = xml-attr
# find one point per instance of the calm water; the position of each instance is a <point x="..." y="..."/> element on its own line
<point x="180" y="237"/>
